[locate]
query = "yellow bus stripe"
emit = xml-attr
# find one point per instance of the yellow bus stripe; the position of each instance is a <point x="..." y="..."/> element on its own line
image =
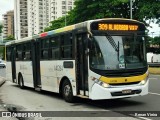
<point x="114" y="80"/>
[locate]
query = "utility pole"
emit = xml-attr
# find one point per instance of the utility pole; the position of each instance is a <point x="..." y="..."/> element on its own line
<point x="130" y="9"/>
<point x="131" y="4"/>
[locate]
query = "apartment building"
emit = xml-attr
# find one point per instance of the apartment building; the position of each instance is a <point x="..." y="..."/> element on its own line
<point x="33" y="16"/>
<point x="8" y="24"/>
<point x="59" y="8"/>
<point x="21" y="18"/>
<point x="38" y="16"/>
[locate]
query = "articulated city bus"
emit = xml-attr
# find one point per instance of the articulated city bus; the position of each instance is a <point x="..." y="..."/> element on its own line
<point x="95" y="59"/>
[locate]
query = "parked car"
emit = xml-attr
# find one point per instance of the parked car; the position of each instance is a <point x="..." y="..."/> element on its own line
<point x="2" y="63"/>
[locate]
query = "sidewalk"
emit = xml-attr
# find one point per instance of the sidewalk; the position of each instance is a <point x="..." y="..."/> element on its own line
<point x="2" y="81"/>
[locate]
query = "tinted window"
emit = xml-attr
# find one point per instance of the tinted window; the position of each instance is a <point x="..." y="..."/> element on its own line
<point x="54" y="44"/>
<point x="8" y="53"/>
<point x="66" y="46"/>
<point x="45" y="49"/>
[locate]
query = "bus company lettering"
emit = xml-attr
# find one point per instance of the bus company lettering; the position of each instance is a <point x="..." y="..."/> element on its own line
<point x="58" y="68"/>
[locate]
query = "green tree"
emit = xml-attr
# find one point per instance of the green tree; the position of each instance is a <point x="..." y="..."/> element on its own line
<point x="10" y="37"/>
<point x="1" y="28"/>
<point x="149" y="41"/>
<point x="56" y="24"/>
<point x="156" y="40"/>
<point x="2" y="49"/>
<point x="93" y="9"/>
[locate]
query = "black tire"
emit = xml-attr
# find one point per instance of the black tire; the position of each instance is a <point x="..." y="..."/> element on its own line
<point x="20" y="82"/>
<point x="67" y="92"/>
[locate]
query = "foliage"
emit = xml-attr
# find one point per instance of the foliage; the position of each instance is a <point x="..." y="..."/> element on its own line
<point x="156" y="40"/>
<point x="149" y="41"/>
<point x="56" y="24"/>
<point x="153" y="44"/>
<point x="93" y="9"/>
<point x="1" y="28"/>
<point x="10" y="37"/>
<point x="2" y="50"/>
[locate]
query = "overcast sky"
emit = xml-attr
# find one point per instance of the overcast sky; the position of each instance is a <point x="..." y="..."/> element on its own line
<point x="6" y="5"/>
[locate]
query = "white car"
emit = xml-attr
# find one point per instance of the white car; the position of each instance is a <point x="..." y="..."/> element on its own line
<point x="2" y="63"/>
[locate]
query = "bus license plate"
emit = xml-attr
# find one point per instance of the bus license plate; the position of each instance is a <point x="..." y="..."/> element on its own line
<point x="126" y="91"/>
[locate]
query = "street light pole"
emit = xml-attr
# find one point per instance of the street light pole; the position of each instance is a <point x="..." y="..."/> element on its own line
<point x="130" y="9"/>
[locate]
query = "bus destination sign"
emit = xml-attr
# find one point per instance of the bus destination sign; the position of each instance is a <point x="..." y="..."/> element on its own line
<point x="117" y="27"/>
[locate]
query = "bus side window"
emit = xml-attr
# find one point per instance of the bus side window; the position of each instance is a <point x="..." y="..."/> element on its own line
<point x="16" y="56"/>
<point x="66" y="46"/>
<point x="27" y="55"/>
<point x="45" y="49"/>
<point x="54" y="44"/>
<point x="23" y="55"/>
<point x="8" y="55"/>
<point x="45" y="54"/>
<point x="27" y="51"/>
<point x="19" y="55"/>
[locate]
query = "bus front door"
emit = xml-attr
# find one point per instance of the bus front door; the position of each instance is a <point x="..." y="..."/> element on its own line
<point x="81" y="64"/>
<point x="13" y="63"/>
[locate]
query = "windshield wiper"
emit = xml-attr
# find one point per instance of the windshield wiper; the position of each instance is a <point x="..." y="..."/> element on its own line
<point x="113" y="44"/>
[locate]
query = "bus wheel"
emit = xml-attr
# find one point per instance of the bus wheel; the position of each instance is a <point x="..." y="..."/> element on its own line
<point x="67" y="91"/>
<point x="20" y="82"/>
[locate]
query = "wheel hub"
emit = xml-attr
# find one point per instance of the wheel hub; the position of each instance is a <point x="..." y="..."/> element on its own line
<point x="67" y="90"/>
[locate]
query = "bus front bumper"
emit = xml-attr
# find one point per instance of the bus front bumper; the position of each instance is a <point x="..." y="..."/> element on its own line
<point x="98" y="92"/>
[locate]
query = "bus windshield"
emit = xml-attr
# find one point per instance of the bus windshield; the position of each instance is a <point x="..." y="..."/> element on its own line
<point x="117" y="52"/>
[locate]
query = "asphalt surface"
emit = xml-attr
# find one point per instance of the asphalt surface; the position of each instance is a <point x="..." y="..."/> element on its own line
<point x="32" y="100"/>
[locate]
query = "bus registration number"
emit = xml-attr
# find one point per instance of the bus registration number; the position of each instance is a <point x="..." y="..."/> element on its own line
<point x="126" y="91"/>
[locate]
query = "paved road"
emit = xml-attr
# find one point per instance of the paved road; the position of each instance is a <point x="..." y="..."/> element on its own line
<point x="11" y="96"/>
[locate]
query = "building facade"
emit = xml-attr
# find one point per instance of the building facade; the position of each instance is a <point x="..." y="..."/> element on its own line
<point x="38" y="16"/>
<point x="21" y="18"/>
<point x="33" y="16"/>
<point x="8" y="24"/>
<point x="59" y="8"/>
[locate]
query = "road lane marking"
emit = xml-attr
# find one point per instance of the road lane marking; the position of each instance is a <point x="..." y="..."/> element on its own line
<point x="144" y="118"/>
<point x="154" y="78"/>
<point x="155" y="75"/>
<point x="154" y="93"/>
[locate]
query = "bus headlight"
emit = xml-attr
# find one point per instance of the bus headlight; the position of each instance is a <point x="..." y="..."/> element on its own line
<point x="143" y="82"/>
<point x="103" y="84"/>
